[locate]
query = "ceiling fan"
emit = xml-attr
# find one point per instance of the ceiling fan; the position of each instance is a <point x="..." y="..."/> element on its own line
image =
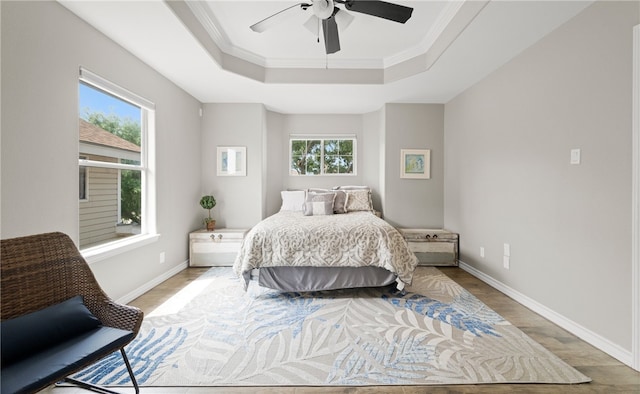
<point x="330" y="17"/>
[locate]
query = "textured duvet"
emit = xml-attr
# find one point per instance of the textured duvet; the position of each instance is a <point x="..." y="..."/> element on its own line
<point x="355" y="239"/>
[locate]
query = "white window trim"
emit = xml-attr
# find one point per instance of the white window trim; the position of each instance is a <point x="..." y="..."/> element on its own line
<point x="147" y="168"/>
<point x="323" y="138"/>
<point x="110" y="87"/>
<point x="86" y="183"/>
<point x="111" y="249"/>
<point x="119" y="193"/>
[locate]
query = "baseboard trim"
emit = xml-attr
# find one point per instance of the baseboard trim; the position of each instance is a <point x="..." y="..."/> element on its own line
<point x="152" y="283"/>
<point x="576" y="329"/>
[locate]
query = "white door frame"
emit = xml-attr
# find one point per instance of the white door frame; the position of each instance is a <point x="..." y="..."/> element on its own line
<point x="635" y="208"/>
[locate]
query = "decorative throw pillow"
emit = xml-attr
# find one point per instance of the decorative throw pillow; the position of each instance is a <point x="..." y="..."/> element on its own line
<point x="340" y="202"/>
<point x="359" y="200"/>
<point x="319" y="204"/>
<point x="37" y="331"/>
<point x="292" y="200"/>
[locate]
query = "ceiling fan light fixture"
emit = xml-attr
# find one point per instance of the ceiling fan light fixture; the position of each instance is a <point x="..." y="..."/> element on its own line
<point x="313" y="25"/>
<point x="343" y="19"/>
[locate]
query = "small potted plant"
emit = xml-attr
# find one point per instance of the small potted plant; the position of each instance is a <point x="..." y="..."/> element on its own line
<point x="208" y="202"/>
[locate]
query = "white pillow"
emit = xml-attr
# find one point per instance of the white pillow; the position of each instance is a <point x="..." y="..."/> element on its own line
<point x="292" y="200"/>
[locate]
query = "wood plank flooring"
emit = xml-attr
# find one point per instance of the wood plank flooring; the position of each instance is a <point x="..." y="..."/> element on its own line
<point x="608" y="374"/>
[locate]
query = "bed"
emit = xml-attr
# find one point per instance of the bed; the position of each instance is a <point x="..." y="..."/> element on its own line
<point x="325" y="240"/>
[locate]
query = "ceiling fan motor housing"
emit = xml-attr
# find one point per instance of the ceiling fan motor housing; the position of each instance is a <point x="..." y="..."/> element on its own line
<point x="323" y="9"/>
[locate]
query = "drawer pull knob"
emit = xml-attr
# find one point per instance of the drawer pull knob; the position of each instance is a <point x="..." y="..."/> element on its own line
<point x="213" y="236"/>
<point x="428" y="236"/>
<point x="435" y="235"/>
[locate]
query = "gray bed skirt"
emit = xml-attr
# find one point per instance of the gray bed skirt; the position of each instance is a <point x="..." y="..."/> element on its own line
<point x="323" y="278"/>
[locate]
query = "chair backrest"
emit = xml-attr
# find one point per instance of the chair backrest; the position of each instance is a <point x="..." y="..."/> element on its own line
<point x="42" y="270"/>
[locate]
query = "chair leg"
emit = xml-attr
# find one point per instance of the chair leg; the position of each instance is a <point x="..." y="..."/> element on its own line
<point x="133" y="378"/>
<point x="100" y="389"/>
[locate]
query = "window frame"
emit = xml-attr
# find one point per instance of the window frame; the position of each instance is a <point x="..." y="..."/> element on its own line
<point x="83" y="174"/>
<point x="148" y="230"/>
<point x="322" y="138"/>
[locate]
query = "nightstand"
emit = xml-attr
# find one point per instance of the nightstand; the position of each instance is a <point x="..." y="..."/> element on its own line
<point x="215" y="248"/>
<point x="432" y="246"/>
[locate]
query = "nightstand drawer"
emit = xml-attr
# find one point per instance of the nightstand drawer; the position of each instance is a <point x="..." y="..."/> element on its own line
<point x="434" y="253"/>
<point x="214" y="248"/>
<point x="432" y="246"/>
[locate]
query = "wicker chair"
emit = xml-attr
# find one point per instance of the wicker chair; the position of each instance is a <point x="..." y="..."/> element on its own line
<point x="41" y="270"/>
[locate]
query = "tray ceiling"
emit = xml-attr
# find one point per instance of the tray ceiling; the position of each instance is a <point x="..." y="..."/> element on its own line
<point x="207" y="48"/>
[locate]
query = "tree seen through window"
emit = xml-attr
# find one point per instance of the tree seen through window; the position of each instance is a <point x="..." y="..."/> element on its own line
<point x="322" y="156"/>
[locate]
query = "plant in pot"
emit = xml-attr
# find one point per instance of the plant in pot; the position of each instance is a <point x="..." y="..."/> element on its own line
<point x="208" y="202"/>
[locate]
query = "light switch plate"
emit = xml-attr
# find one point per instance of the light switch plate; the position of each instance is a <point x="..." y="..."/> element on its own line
<point x="575" y="156"/>
<point x="507" y="250"/>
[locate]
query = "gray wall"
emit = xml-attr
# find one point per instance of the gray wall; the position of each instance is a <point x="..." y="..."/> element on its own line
<point x="508" y="177"/>
<point x="240" y="199"/>
<point x="276" y="162"/>
<point x="43" y="46"/>
<point x="374" y="159"/>
<point x="416" y="203"/>
<point x="244" y="201"/>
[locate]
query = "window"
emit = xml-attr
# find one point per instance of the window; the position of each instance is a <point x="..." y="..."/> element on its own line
<point x="116" y="188"/>
<point x="322" y="156"/>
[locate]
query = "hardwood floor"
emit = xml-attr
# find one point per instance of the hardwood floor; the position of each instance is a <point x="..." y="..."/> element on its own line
<point x="608" y="374"/>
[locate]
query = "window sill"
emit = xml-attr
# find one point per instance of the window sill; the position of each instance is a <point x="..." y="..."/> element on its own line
<point x="103" y="252"/>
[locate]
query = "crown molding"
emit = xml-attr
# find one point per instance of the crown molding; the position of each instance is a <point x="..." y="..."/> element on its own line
<point x="199" y="18"/>
<point x="441" y="23"/>
<point x="325" y="63"/>
<point x="210" y="23"/>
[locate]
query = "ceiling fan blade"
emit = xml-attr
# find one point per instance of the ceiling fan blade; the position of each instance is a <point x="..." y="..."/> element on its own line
<point x="278" y="17"/>
<point x="330" y="31"/>
<point x="381" y="9"/>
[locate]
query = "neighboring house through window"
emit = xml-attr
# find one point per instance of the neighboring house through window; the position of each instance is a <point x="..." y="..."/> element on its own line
<point x="322" y="156"/>
<point x="116" y="190"/>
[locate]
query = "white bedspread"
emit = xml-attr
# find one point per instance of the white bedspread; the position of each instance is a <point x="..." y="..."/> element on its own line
<point x="355" y="239"/>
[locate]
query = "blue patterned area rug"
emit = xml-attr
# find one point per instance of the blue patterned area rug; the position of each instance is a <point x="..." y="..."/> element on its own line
<point x="212" y="333"/>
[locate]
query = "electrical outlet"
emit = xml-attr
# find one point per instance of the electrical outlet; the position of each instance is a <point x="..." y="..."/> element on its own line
<point x="507" y="250"/>
<point x="161" y="257"/>
<point x="505" y="262"/>
<point x="482" y="251"/>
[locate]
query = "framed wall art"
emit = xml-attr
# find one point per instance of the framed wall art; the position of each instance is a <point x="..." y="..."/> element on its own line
<point x="232" y="161"/>
<point x="415" y="163"/>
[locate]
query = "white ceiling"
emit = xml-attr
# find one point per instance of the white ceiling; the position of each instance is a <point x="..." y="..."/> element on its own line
<point x="368" y="41"/>
<point x="446" y="47"/>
